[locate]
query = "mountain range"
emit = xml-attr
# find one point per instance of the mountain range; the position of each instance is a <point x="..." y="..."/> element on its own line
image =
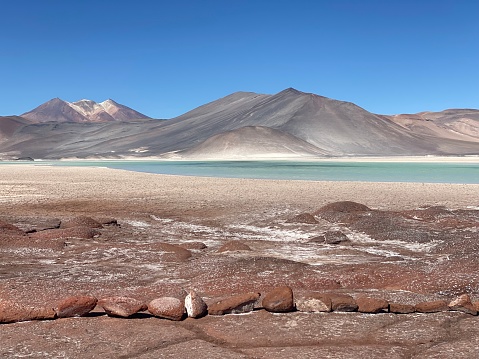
<point x="289" y="124"/>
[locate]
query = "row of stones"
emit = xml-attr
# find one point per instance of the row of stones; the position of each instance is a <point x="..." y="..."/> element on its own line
<point x="279" y="300"/>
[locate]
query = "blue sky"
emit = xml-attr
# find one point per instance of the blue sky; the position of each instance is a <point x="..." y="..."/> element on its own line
<point x="164" y="58"/>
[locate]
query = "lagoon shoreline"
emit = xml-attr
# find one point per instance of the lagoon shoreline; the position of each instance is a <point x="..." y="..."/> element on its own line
<point x="410" y="170"/>
<point x="23" y="184"/>
<point x="421" y="159"/>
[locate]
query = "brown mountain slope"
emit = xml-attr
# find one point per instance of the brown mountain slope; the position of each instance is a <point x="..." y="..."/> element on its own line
<point x="10" y="124"/>
<point x="457" y="124"/>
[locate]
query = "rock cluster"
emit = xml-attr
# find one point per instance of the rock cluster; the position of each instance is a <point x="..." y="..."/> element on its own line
<point x="81" y="227"/>
<point x="277" y="300"/>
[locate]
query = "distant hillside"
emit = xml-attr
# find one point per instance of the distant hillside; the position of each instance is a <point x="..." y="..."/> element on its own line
<point x="458" y="124"/>
<point x="336" y="127"/>
<point x="289" y="124"/>
<point x="10" y="124"/>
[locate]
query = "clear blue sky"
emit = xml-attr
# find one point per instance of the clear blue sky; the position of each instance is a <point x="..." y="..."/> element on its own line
<point x="164" y="58"/>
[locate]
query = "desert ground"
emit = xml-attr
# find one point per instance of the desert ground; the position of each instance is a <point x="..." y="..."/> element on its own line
<point x="67" y="232"/>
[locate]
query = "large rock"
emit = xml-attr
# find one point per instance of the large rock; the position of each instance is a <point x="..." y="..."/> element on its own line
<point x="331" y="237"/>
<point x="81" y="221"/>
<point x="313" y="303"/>
<point x="463" y="304"/>
<point x="343" y="303"/>
<point x="75" y="306"/>
<point x="371" y="305"/>
<point x="171" y="252"/>
<point x="195" y="305"/>
<point x="240" y="303"/>
<point x="10" y="229"/>
<point x="71" y="232"/>
<point x="121" y="306"/>
<point x="305" y="218"/>
<point x="42" y="224"/>
<point x="344" y="207"/>
<point x="167" y="307"/>
<point x="432" y="307"/>
<point x="399" y="308"/>
<point x="11" y="311"/>
<point x="279" y="300"/>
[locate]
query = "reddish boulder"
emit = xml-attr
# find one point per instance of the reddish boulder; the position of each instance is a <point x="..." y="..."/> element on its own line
<point x="401" y="308"/>
<point x="81" y="221"/>
<point x="344" y="207"/>
<point x="432" y="307"/>
<point x="121" y="306"/>
<point x="14" y="312"/>
<point x="463" y="304"/>
<point x="73" y="232"/>
<point x="75" y="306"/>
<point x="41" y="224"/>
<point x="279" y="300"/>
<point x="343" y="303"/>
<point x="147" y="294"/>
<point x="10" y="229"/>
<point x="476" y="305"/>
<point x="173" y="252"/>
<point x="233" y="246"/>
<point x="313" y="303"/>
<point x="240" y="303"/>
<point x="331" y="237"/>
<point x="167" y="307"/>
<point x="371" y="305"/>
<point x="80" y="233"/>
<point x="195" y="306"/>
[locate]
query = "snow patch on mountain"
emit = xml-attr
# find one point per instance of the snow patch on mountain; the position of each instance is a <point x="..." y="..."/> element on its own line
<point x="97" y="111"/>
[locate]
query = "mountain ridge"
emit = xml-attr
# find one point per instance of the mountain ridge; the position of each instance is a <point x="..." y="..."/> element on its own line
<point x="243" y="124"/>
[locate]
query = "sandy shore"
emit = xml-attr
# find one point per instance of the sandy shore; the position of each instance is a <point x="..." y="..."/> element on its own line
<point x="367" y="159"/>
<point x="31" y="184"/>
<point x="281" y="157"/>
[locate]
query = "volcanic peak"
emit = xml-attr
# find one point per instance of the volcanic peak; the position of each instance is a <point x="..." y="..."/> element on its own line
<point x="82" y="111"/>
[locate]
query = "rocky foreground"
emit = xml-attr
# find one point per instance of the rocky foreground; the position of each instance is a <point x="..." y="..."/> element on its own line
<point x="91" y="271"/>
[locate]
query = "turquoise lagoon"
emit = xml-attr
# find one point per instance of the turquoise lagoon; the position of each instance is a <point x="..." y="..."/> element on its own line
<point x="419" y="172"/>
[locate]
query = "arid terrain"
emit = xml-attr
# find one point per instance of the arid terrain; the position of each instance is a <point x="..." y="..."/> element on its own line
<point x="67" y="232"/>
